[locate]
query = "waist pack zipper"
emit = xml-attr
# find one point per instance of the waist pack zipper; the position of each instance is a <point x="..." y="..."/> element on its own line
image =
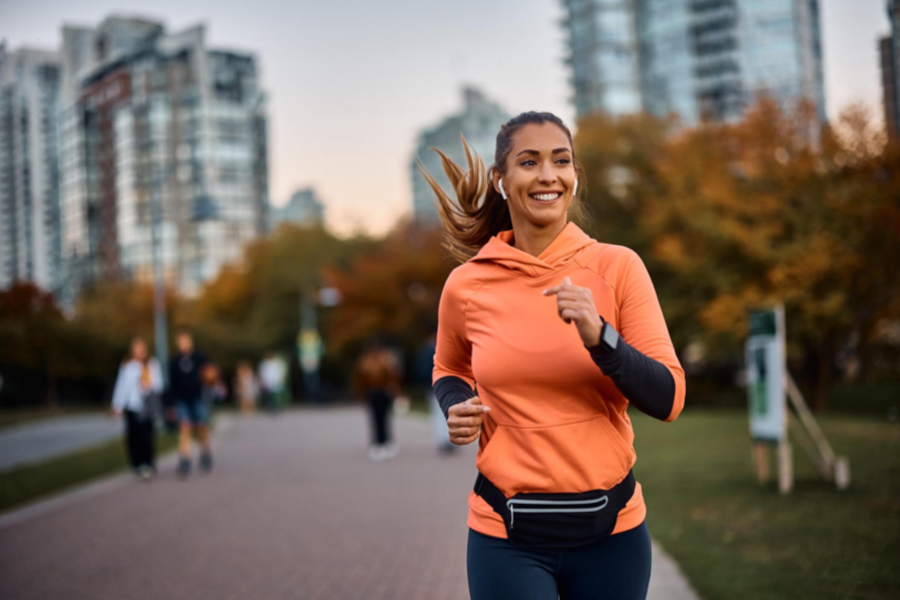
<point x="555" y="506"/>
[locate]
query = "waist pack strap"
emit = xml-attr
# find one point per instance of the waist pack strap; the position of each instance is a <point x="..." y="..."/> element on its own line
<point x="492" y="495"/>
<point x="620" y="494"/>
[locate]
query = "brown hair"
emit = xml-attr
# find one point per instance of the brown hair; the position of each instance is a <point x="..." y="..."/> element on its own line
<point x="138" y="340"/>
<point x="479" y="211"/>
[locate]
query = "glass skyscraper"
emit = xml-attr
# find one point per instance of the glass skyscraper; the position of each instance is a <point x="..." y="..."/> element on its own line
<point x="30" y="248"/>
<point x="699" y="59"/>
<point x="603" y="57"/>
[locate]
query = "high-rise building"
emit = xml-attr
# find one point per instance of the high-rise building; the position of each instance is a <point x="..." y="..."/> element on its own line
<point x="304" y="208"/>
<point x="700" y="59"/>
<point x="603" y="57"/>
<point x="29" y="181"/>
<point x="889" y="50"/>
<point x="150" y="117"/>
<point x="479" y="122"/>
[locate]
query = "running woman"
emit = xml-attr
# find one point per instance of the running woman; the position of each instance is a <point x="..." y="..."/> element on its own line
<point x="545" y="338"/>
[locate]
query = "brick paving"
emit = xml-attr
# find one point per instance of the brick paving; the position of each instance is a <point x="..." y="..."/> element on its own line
<point x="294" y="509"/>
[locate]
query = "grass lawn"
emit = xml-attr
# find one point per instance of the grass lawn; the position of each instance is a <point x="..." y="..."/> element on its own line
<point x="30" y="482"/>
<point x="737" y="540"/>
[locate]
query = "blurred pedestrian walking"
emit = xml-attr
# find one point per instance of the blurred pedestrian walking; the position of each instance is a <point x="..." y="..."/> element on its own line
<point x="213" y="391"/>
<point x="246" y="387"/>
<point x="186" y="387"/>
<point x="137" y="395"/>
<point x="272" y="375"/>
<point x="377" y="378"/>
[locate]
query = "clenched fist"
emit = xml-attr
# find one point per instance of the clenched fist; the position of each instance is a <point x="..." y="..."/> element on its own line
<point x="464" y="421"/>
<point x="576" y="305"/>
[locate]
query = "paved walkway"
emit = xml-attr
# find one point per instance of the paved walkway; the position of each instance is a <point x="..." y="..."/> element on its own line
<point x="34" y="442"/>
<point x="294" y="509"/>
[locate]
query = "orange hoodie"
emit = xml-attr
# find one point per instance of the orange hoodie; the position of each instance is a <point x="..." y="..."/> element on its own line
<point x="557" y="424"/>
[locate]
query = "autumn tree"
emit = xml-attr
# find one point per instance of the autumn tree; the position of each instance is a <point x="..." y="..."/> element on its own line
<point x="731" y="217"/>
<point x="254" y="306"/>
<point x="392" y="289"/>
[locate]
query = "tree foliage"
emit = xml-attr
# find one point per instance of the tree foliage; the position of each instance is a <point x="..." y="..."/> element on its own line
<point x="732" y="217"/>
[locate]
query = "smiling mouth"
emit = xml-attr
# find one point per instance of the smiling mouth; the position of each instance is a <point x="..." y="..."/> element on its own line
<point x="546" y="197"/>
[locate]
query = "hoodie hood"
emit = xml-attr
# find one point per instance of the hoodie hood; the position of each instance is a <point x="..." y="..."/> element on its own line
<point x="561" y="251"/>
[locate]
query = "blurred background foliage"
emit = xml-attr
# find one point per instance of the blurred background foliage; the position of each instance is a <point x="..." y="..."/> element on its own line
<point x="727" y="217"/>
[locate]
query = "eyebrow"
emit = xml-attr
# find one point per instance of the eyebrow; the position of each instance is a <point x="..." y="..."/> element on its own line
<point x="529" y="151"/>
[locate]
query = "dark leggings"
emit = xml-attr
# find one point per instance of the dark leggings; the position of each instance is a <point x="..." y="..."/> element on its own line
<point x="617" y="567"/>
<point x="139" y="438"/>
<point x="380" y="402"/>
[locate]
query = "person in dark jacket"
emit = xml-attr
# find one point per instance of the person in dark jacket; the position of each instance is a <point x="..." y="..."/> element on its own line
<point x="376" y="377"/>
<point x="186" y="390"/>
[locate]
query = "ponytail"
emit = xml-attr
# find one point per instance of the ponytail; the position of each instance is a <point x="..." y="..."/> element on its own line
<point x="477" y="214"/>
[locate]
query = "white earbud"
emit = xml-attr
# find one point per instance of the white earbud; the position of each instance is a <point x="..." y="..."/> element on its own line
<point x="502" y="191"/>
<point x="575" y="188"/>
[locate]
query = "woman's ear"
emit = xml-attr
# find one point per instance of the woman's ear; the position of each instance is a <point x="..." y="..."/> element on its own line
<point x="496" y="181"/>
<point x="502" y="191"/>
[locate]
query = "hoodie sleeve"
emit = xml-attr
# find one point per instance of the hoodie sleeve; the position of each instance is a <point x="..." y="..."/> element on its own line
<point x="643" y="327"/>
<point x="452" y="375"/>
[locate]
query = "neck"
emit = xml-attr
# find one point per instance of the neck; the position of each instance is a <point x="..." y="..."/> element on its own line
<point x="534" y="239"/>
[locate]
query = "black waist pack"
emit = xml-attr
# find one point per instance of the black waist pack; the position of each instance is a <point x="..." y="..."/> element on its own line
<point x="557" y="520"/>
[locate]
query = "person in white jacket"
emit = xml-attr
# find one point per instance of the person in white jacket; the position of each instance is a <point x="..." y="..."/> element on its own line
<point x="137" y="392"/>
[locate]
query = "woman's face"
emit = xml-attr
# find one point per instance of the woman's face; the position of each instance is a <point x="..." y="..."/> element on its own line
<point x="138" y="350"/>
<point x="540" y="175"/>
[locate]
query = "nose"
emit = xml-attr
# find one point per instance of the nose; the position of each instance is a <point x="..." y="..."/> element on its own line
<point x="547" y="174"/>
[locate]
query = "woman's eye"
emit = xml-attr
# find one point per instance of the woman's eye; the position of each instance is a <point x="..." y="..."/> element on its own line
<point x="527" y="163"/>
<point x="563" y="161"/>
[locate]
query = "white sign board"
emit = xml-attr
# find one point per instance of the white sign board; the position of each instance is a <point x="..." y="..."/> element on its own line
<point x="765" y="375"/>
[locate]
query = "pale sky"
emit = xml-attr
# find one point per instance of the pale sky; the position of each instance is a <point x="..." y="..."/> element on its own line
<point x="351" y="83"/>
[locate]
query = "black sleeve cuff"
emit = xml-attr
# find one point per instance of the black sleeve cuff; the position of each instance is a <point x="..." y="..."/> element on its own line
<point x="646" y="383"/>
<point x="450" y="391"/>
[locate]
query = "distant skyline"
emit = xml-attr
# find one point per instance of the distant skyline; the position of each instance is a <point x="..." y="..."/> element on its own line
<point x="350" y="84"/>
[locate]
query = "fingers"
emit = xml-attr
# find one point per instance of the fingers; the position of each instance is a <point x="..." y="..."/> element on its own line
<point x="456" y="421"/>
<point x="462" y="441"/>
<point x="570" y="315"/>
<point x="568" y="289"/>
<point x="465" y="433"/>
<point x="566" y="285"/>
<point x="464" y="421"/>
<point x="471" y="407"/>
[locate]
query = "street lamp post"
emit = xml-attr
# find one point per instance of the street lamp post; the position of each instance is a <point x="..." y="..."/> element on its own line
<point x="309" y="342"/>
<point x="159" y="280"/>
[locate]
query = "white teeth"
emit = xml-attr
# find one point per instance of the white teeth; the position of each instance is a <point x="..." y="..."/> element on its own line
<point x="546" y="197"/>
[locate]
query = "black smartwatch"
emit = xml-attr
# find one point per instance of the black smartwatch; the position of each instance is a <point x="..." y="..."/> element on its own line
<point x="609" y="340"/>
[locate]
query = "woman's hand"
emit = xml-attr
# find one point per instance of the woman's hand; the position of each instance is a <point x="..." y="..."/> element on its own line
<point x="576" y="304"/>
<point x="464" y="421"/>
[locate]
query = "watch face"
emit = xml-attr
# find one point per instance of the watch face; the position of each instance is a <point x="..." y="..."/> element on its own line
<point x="610" y="337"/>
